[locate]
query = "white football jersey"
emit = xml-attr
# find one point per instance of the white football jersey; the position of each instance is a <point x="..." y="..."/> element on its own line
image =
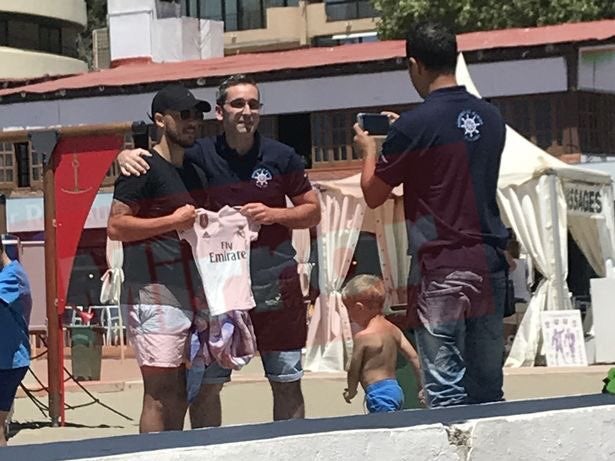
<point x="221" y="247"/>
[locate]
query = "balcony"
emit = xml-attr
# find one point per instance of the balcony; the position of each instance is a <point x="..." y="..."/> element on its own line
<point x="64" y="11"/>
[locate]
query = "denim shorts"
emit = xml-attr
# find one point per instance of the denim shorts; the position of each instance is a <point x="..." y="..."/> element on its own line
<point x="279" y="366"/>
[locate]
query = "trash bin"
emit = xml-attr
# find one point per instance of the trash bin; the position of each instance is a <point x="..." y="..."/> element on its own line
<point x="86" y="351"/>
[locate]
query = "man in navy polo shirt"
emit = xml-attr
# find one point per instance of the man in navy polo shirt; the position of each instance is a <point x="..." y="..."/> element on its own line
<point x="250" y="171"/>
<point x="446" y="152"/>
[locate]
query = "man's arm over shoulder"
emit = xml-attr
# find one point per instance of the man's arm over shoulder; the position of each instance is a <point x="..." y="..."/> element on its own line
<point x="133" y="162"/>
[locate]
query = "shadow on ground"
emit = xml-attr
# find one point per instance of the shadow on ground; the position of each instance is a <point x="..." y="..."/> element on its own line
<point x="16" y="426"/>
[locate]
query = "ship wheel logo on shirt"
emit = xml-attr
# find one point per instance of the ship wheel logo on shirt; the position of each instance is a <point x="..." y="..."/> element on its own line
<point x="262" y="176"/>
<point x="469" y="121"/>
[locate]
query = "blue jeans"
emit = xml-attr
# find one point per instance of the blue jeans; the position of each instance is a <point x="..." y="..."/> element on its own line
<point x="279" y="366"/>
<point x="460" y="340"/>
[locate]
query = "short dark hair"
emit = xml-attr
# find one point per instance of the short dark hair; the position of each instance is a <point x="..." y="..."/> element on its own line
<point x="233" y="80"/>
<point x="434" y="45"/>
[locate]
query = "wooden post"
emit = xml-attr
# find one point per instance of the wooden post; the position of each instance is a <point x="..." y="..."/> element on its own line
<point x="44" y="141"/>
<point x="55" y="346"/>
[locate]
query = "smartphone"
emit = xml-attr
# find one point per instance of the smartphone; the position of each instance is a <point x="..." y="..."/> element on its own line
<point x="375" y="124"/>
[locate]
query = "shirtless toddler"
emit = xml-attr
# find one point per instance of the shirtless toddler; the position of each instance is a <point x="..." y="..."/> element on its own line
<point x="375" y="349"/>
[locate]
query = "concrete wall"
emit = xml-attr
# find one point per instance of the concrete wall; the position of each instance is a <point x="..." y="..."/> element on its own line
<point x="66" y="10"/>
<point x="570" y="428"/>
<point x="581" y="434"/>
<point x="23" y="64"/>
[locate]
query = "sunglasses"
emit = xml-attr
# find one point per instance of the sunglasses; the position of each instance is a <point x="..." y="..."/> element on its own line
<point x="188" y="114"/>
<point x="240" y="103"/>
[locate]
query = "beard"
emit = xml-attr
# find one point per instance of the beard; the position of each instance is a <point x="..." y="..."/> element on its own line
<point x="184" y="140"/>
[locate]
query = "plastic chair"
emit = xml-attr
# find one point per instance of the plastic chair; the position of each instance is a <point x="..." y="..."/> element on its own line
<point x="114" y="325"/>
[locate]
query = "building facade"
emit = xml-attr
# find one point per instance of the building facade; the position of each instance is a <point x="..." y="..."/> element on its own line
<point x="260" y="25"/>
<point x="269" y="25"/>
<point x="39" y="38"/>
<point x="553" y="85"/>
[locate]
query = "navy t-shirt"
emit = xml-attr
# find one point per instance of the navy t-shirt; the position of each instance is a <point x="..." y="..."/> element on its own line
<point x="268" y="173"/>
<point x="163" y="259"/>
<point x="446" y="153"/>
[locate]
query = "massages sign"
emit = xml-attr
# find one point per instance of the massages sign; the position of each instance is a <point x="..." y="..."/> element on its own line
<point x="584" y="199"/>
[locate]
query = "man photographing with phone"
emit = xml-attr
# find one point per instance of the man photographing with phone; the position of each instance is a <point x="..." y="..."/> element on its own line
<point x="447" y="153"/>
<point x="374" y="124"/>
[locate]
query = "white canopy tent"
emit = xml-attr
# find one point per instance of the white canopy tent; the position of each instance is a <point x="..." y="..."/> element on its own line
<point x="344" y="216"/>
<point x="539" y="196"/>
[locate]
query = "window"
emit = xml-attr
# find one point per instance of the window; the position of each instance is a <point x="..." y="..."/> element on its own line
<point x="37" y="166"/>
<point x="342" y="10"/>
<point x="543" y="123"/>
<point x="268" y="126"/>
<point x="332" y="137"/>
<point x="31" y="35"/>
<point x="7" y="168"/>
<point x="4" y="33"/>
<point x="597" y="123"/>
<point x="50" y="39"/>
<point x="542" y="119"/>
<point x="22" y="155"/>
<point x="278" y="3"/>
<point x="236" y="14"/>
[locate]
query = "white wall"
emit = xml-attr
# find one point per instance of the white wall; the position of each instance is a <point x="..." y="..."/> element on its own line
<point x="130" y="35"/>
<point x="576" y="434"/>
<point x="304" y="95"/>
<point x="27" y="214"/>
<point x="136" y="32"/>
<point x="427" y="443"/>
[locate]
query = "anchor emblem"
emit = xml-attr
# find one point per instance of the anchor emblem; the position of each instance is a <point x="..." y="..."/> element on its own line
<point x="76" y="189"/>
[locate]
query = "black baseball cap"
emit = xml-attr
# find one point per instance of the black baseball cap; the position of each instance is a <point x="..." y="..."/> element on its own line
<point x="177" y="97"/>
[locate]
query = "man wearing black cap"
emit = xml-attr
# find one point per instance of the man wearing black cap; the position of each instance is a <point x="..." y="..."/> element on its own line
<point x="162" y="288"/>
<point x="255" y="173"/>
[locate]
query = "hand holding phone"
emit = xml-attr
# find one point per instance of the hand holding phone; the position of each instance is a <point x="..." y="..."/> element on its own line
<point x="374" y="124"/>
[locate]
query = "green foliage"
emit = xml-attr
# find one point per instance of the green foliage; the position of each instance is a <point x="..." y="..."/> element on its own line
<point x="97" y="18"/>
<point x="473" y="15"/>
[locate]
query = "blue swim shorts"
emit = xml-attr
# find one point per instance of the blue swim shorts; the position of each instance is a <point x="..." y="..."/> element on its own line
<point x="384" y="396"/>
